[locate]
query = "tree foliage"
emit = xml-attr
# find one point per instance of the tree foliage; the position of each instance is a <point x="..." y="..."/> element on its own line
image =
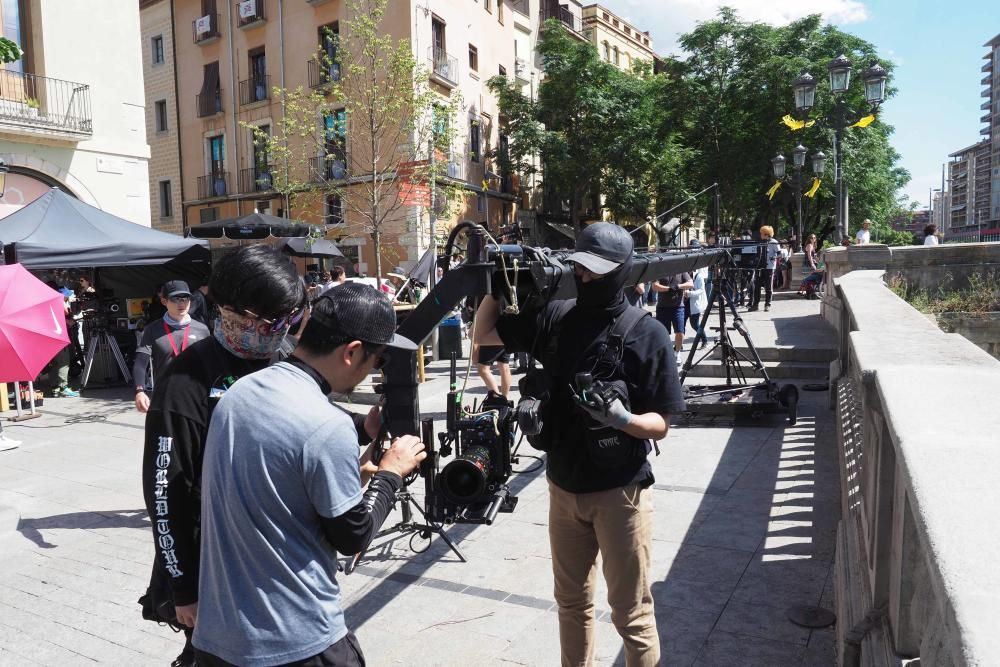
<point x="648" y="141"/>
<point x="9" y="51"/>
<point x="363" y="133"/>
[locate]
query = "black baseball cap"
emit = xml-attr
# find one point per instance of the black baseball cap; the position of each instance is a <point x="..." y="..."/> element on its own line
<point x="176" y="288"/>
<point x="355" y="311"/>
<point x="602" y="247"/>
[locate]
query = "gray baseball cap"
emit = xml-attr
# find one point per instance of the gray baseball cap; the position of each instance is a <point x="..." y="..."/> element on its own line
<point x="602" y="247"/>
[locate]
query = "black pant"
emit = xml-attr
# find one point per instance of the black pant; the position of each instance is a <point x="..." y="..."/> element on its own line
<point x="764" y="278"/>
<point x="344" y="653"/>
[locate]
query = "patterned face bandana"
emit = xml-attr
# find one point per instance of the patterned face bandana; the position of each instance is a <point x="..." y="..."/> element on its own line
<point x="241" y="336"/>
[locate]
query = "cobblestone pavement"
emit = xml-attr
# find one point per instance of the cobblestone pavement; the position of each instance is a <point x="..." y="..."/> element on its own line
<point x="745" y="525"/>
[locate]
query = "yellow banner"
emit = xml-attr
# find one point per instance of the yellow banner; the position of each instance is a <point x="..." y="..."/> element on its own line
<point x="773" y="190"/>
<point x="815" y="186"/>
<point x="866" y="121"/>
<point x="486" y="185"/>
<point x="794" y="125"/>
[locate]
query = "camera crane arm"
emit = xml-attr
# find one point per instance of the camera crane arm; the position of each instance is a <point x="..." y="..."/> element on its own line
<point x="537" y="280"/>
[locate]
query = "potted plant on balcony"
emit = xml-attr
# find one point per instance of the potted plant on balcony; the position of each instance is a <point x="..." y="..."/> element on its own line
<point x="31" y="106"/>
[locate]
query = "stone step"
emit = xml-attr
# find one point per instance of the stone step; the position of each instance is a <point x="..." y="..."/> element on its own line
<point x="777" y="370"/>
<point x="787" y="353"/>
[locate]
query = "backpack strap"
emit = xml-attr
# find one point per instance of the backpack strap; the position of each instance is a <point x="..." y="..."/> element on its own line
<point x="614" y="344"/>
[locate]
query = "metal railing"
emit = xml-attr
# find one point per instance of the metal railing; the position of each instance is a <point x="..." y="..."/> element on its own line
<point x="208" y="105"/>
<point x="566" y="17"/>
<point x="41" y="102"/>
<point x="209" y="31"/>
<point x="213" y="185"/>
<point x="258" y="178"/>
<point x="332" y="167"/>
<point x="255" y="89"/>
<point x="254" y="12"/>
<point x="443" y="65"/>
<point x="321" y="74"/>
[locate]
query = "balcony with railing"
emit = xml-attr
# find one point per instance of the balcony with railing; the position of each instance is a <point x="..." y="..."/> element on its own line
<point x="255" y="89"/>
<point x="206" y="29"/>
<point x="213" y="185"/>
<point x="32" y="104"/>
<point x="251" y="13"/>
<point x="566" y="17"/>
<point x="258" y="178"/>
<point x="208" y="105"/>
<point x="323" y="73"/>
<point x="331" y="167"/>
<point x="444" y="67"/>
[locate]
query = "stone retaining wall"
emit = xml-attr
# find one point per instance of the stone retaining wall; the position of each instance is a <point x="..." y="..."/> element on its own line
<point x="983" y="330"/>
<point x="917" y="429"/>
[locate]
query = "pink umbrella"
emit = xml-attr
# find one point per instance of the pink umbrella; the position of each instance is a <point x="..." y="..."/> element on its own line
<point x="32" y="324"/>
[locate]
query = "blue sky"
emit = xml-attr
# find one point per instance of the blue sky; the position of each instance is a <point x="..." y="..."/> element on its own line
<point x="937" y="47"/>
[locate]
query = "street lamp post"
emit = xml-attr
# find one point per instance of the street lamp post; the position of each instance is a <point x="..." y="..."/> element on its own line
<point x="842" y="116"/>
<point x="778" y="163"/>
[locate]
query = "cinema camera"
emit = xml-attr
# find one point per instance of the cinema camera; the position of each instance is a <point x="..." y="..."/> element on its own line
<point x="474" y="486"/>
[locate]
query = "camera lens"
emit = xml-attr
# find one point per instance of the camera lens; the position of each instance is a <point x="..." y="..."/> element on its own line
<point x="463" y="481"/>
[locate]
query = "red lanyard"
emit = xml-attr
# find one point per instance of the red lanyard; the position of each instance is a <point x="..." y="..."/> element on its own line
<point x="170" y="337"/>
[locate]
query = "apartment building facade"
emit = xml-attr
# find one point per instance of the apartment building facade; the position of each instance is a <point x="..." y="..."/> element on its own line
<point x="65" y="120"/>
<point x="617" y="41"/>
<point x="969" y="188"/>
<point x="230" y="55"/>
<point x="991" y="131"/>
<point x="165" y="186"/>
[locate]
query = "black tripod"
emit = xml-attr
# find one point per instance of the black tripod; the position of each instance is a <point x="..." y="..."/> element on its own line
<point x="103" y="343"/>
<point x="407" y="525"/>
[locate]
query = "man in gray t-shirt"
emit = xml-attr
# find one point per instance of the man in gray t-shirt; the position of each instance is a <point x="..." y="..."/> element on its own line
<point x="281" y="484"/>
<point x="165" y="338"/>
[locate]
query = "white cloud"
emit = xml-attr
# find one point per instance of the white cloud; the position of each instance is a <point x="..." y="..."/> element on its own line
<point x="666" y="20"/>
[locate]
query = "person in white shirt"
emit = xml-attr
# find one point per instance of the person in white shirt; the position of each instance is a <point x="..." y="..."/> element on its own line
<point x="864" y="235"/>
<point x="930" y="235"/>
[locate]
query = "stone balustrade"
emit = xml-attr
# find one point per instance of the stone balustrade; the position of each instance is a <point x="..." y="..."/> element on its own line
<point x="918" y="429"/>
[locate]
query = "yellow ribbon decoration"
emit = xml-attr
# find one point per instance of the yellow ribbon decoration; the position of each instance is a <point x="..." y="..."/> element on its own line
<point x="773" y="190"/>
<point x="812" y="191"/>
<point x="794" y="125"/>
<point x="486" y="185"/>
<point x="866" y="121"/>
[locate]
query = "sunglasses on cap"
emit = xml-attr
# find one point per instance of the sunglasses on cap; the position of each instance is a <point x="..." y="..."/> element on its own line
<point x="272" y="326"/>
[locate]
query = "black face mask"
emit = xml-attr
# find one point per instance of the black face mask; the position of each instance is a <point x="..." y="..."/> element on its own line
<point x="607" y="293"/>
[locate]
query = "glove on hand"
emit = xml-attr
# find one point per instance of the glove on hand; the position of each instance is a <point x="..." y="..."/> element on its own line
<point x="613" y="413"/>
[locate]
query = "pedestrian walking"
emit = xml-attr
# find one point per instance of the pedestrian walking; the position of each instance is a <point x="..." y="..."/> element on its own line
<point x="670" y="305"/>
<point x="765" y="275"/>
<point x="283" y="494"/>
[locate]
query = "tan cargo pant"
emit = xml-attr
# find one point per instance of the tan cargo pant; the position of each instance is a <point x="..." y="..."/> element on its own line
<point x="618" y="524"/>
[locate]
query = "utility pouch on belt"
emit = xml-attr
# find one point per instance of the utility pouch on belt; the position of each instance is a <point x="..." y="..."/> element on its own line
<point x="607" y="446"/>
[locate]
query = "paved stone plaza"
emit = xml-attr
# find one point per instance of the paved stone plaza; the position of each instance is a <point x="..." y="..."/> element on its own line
<point x="745" y="526"/>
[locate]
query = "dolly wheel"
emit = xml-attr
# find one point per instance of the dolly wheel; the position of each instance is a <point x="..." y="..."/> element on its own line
<point x="789" y="397"/>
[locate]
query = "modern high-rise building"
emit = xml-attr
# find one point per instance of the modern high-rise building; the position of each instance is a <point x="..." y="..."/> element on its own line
<point x="968" y="175"/>
<point x="227" y="58"/>
<point x="991" y="200"/>
<point x="72" y="109"/>
<point x="618" y="42"/>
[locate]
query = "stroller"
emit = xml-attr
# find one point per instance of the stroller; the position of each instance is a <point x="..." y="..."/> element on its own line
<point x="812" y="285"/>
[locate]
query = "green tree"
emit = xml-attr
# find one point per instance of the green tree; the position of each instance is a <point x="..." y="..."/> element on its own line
<point x="9" y="51"/>
<point x="364" y="133"/>
<point x="736" y="87"/>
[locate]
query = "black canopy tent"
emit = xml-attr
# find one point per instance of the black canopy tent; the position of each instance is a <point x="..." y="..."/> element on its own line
<point x="58" y="231"/>
<point x="250" y="226"/>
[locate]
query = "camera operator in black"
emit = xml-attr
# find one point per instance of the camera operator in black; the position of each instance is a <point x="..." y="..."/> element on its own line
<point x="598" y="506"/>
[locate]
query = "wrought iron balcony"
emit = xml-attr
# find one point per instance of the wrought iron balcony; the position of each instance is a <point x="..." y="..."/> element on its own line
<point x="213" y="185"/>
<point x="251" y="13"/>
<point x="444" y="67"/>
<point x="258" y="178"/>
<point x="566" y="17"/>
<point x="320" y="74"/>
<point x="208" y="105"/>
<point x="255" y="89"/>
<point x="332" y="167"/>
<point x="39" y="104"/>
<point x="206" y="29"/>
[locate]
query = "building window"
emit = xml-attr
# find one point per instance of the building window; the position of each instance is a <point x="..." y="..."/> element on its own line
<point x="607" y="52"/>
<point x="157" y="48"/>
<point x="210" y="214"/>
<point x="334" y="210"/>
<point x="329" y="39"/>
<point x="615" y="53"/>
<point x="500" y="11"/>
<point x="503" y="70"/>
<point x="475" y="139"/>
<point x="488" y="4"/>
<point x="166" y="205"/>
<point x="438" y="38"/>
<point x="473" y="58"/>
<point x="161" y="115"/>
